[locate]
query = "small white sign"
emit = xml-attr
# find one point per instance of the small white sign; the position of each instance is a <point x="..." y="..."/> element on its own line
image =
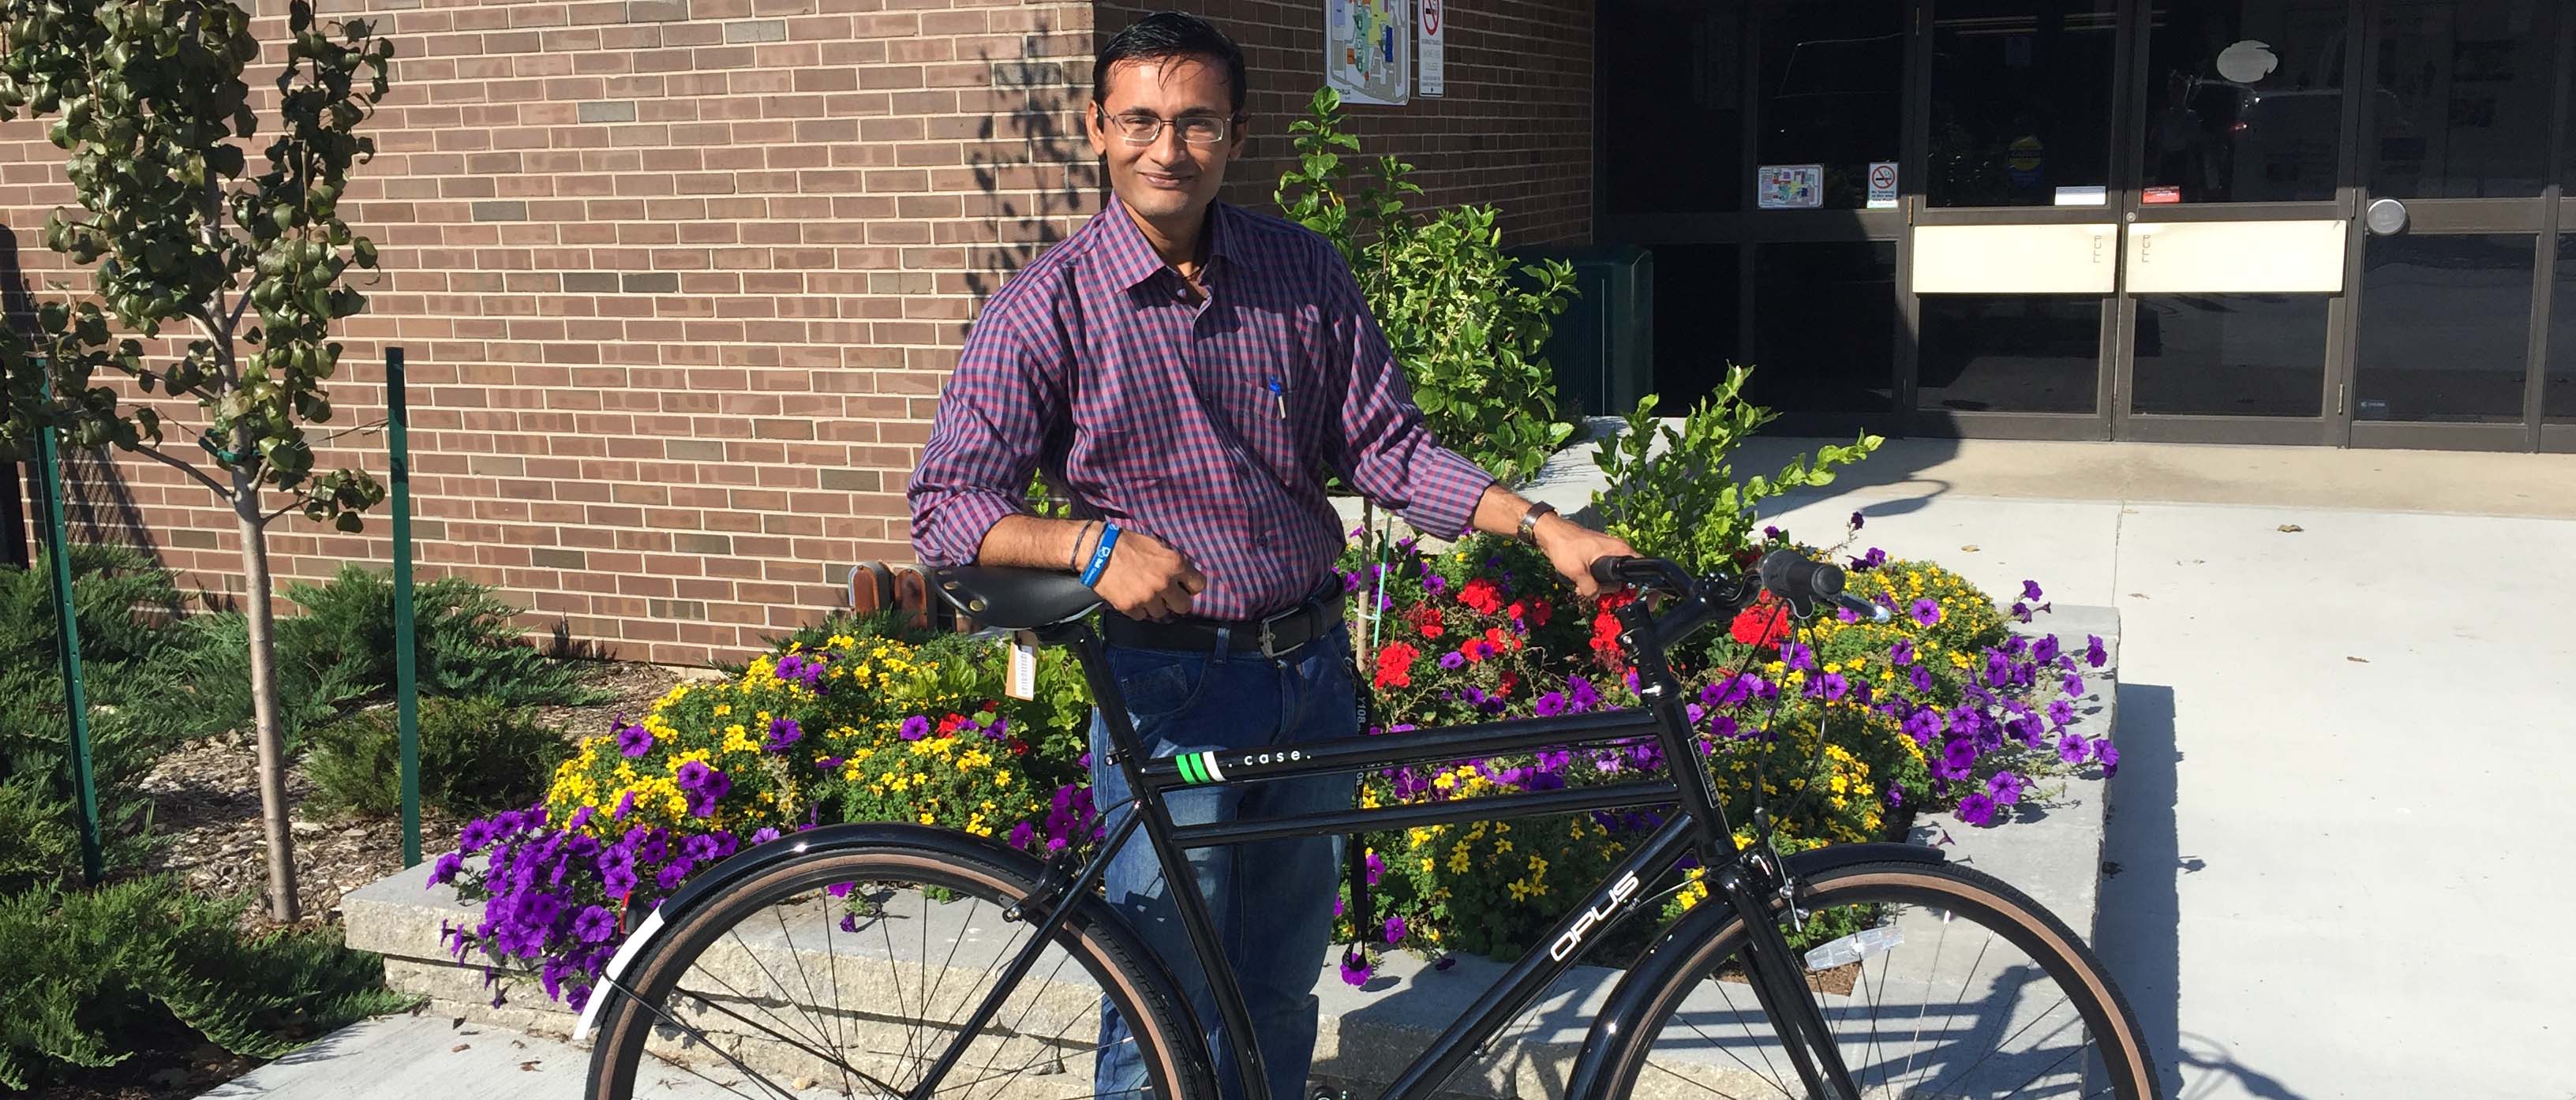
<point x="1882" y="185"/>
<point x="2084" y="196"/>
<point x="1431" y="55"/>
<point x="1790" y="187"/>
<point x="1022" y="680"/>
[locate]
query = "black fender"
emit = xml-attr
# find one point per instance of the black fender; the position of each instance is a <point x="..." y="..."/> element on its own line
<point x="743" y="865"/>
<point x="1624" y="1014"/>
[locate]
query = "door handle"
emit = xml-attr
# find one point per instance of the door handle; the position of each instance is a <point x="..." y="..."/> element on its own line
<point x="2384" y="217"/>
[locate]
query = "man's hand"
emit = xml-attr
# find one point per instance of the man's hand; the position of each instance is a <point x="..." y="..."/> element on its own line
<point x="1572" y="548"/>
<point x="1146" y="579"/>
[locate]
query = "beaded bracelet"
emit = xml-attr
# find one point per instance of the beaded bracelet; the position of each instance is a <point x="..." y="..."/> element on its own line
<point x="1100" y="554"/>
<point x="1074" y="561"/>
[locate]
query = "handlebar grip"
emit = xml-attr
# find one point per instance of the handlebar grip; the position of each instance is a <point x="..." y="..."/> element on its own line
<point x="1605" y="571"/>
<point x="1791" y="575"/>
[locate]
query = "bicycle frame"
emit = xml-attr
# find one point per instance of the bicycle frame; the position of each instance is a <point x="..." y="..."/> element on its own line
<point x="1747" y="880"/>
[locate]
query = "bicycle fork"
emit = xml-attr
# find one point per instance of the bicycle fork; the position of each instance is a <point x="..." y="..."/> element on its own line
<point x="1780" y="983"/>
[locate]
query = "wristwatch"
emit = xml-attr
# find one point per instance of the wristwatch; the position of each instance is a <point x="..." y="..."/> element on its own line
<point x="1528" y="532"/>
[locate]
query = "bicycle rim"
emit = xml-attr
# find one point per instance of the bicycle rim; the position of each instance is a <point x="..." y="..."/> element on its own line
<point x="851" y="973"/>
<point x="1944" y="982"/>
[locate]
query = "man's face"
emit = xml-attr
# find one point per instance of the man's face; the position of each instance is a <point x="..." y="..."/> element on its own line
<point x="1169" y="179"/>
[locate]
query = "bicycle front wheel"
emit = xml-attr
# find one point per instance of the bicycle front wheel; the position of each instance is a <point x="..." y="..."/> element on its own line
<point x="1947" y="982"/>
<point x="850" y="972"/>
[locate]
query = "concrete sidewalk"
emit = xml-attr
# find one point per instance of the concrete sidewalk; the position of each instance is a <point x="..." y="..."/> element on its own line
<point x="2335" y="869"/>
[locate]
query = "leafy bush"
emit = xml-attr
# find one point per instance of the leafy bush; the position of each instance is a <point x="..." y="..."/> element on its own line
<point x="1467" y="333"/>
<point x="141" y="695"/>
<point x="476" y="755"/>
<point x="86" y="977"/>
<point x="1673" y="488"/>
<point x="339" y="652"/>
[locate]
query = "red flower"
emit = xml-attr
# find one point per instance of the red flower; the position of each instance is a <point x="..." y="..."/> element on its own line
<point x="1483" y="595"/>
<point x="1475" y="649"/>
<point x="1427" y="620"/>
<point x="1395" y="665"/>
<point x="1499" y="641"/>
<point x="1605" y="629"/>
<point x="1510" y="680"/>
<point x="1538" y="613"/>
<point x="948" y="725"/>
<point x="1761" y="625"/>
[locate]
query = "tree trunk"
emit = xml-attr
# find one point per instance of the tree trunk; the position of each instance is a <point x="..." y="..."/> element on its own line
<point x="263" y="694"/>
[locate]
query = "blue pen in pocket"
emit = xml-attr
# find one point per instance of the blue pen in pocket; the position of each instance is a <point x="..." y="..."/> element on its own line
<point x="1279" y="397"/>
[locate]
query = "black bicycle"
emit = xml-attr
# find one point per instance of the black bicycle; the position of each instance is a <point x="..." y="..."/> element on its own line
<point x="897" y="961"/>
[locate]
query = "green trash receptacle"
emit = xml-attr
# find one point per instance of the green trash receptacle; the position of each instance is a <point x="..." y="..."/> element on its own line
<point x="1602" y="348"/>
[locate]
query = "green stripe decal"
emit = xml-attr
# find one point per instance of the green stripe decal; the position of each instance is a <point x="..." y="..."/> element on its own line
<point x="1188" y="762"/>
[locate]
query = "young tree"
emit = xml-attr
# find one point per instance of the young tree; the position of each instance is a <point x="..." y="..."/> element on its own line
<point x="148" y="98"/>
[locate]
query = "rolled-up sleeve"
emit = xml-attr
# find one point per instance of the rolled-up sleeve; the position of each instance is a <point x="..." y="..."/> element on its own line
<point x="984" y="440"/>
<point x="1383" y="448"/>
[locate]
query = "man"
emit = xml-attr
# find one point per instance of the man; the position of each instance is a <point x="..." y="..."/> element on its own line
<point x="1187" y="369"/>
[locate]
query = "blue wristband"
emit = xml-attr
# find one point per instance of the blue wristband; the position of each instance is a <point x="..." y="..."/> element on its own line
<point x="1100" y="554"/>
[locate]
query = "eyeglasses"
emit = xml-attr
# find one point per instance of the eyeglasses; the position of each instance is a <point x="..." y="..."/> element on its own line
<point x="1144" y="129"/>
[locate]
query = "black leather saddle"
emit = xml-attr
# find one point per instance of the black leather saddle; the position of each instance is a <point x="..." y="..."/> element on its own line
<point x="1014" y="599"/>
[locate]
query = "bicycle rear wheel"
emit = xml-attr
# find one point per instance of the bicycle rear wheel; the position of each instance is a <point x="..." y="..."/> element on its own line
<point x="849" y="972"/>
<point x="1957" y="985"/>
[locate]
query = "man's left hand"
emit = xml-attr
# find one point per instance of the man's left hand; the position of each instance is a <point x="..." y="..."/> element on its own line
<point x="1572" y="548"/>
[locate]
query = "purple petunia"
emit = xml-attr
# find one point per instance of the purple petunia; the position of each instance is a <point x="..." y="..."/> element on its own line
<point x="2094" y="654"/>
<point x="444" y="871"/>
<point x="478" y="835"/>
<point x="1895" y="794"/>
<point x="2061" y="713"/>
<point x="1395" y="929"/>
<point x="1355" y="969"/>
<point x="2005" y="787"/>
<point x="1855" y="521"/>
<point x="1977" y="809"/>
<point x="1902" y="652"/>
<point x="2030" y="591"/>
<point x="634" y="741"/>
<point x="1921" y="678"/>
<point x="763" y="835"/>
<point x="914" y="728"/>
<point x="1872" y="560"/>
<point x="1927" y="612"/>
<point x="1833" y="686"/>
<point x="1773" y="533"/>
<point x="1957" y="758"/>
<point x="784" y="732"/>
<point x="2072" y="748"/>
<point x="1923" y="725"/>
<point x="1376" y="867"/>
<point x="1452" y="660"/>
<point x="2073" y="683"/>
<point x="2044" y="651"/>
<point x="1550" y="704"/>
<point x="594" y="925"/>
<point x="1434" y="583"/>
<point x="1796" y="655"/>
<point x="2108" y="755"/>
<point x="625" y="806"/>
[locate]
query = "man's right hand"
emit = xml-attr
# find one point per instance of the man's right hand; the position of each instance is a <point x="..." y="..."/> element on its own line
<point x="1146" y="579"/>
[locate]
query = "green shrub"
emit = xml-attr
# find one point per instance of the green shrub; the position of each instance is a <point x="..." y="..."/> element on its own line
<point x="1467" y="330"/>
<point x="339" y="652"/>
<point x="137" y="675"/>
<point x="84" y="976"/>
<point x="1672" y="491"/>
<point x="476" y="755"/>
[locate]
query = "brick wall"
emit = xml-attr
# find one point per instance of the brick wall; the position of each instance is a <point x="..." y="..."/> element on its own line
<point x="679" y="280"/>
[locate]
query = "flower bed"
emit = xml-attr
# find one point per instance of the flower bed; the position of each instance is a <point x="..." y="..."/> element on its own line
<point x="1845" y="728"/>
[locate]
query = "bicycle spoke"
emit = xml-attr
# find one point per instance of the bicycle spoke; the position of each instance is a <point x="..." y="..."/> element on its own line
<point x="702" y="1039"/>
<point x="1703" y="1086"/>
<point x="840" y="1020"/>
<point x="1758" y="1048"/>
<point x="1034" y="998"/>
<point x="845" y="1067"/>
<point x="1981" y="1059"/>
<point x="1870" y="997"/>
<point x="783" y="993"/>
<point x="1929" y="981"/>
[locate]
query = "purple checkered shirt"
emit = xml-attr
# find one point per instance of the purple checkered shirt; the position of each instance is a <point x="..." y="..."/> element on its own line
<point x="1159" y="413"/>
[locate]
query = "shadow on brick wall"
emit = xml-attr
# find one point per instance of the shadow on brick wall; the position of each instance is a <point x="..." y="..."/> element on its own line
<point x="98" y="505"/>
<point x="1026" y="220"/>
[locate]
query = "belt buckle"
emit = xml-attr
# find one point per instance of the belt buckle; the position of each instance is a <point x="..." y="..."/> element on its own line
<point x="1270" y="637"/>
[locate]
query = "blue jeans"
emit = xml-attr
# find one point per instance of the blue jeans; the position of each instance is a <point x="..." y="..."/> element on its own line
<point x="1271" y="901"/>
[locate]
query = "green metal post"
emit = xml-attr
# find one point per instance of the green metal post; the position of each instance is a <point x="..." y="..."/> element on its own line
<point x="67" y="641"/>
<point x="406" y="679"/>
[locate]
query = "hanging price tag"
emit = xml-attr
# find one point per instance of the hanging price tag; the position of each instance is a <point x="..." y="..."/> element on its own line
<point x="1022" y="680"/>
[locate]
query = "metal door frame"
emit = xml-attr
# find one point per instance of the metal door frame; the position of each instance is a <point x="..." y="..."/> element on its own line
<point x="2541" y="216"/>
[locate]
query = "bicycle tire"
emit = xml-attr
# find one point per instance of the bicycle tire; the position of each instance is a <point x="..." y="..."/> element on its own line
<point x="2125" y="1069"/>
<point x="1117" y="961"/>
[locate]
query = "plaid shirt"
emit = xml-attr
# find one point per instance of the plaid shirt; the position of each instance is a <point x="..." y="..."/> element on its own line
<point x="1208" y="425"/>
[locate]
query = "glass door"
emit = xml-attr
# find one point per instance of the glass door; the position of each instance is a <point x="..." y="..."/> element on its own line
<point x="2239" y="227"/>
<point x="2014" y="256"/>
<point x="2459" y="254"/>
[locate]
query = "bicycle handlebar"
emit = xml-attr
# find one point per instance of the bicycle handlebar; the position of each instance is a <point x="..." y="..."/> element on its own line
<point x="1785" y="574"/>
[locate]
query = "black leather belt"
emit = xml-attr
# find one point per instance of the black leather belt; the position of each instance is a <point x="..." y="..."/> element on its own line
<point x="1278" y="635"/>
